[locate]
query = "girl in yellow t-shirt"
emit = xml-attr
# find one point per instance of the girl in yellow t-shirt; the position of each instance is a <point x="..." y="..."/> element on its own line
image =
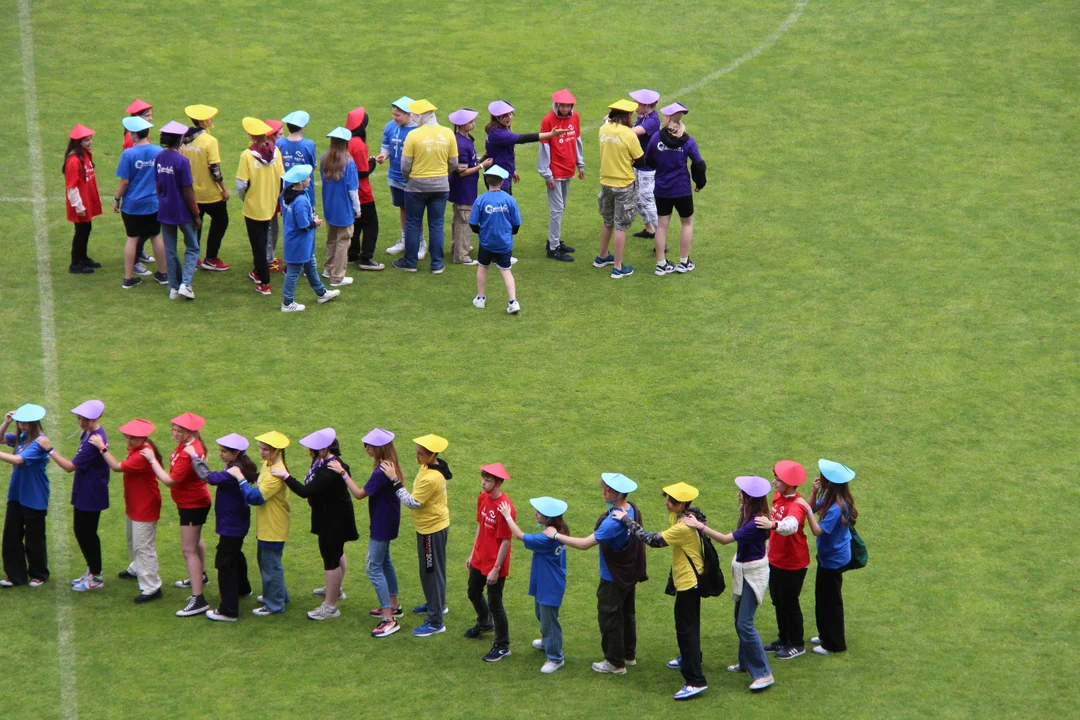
<point x="258" y="183"/>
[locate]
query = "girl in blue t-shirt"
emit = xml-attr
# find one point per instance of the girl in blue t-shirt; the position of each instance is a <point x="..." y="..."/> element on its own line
<point x="24" y="549"/>
<point x="300" y="223"/>
<point x="836" y="513"/>
<point x="547" y="578"/>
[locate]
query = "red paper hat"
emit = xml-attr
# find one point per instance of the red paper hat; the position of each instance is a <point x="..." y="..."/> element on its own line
<point x="355" y="118"/>
<point x="275" y="125"/>
<point x="790" y="472"/>
<point x="189" y="421"/>
<point x="79" y="132"/>
<point x="138" y="106"/>
<point x="137" y="428"/>
<point x="497" y="470"/>
<point x="564" y="97"/>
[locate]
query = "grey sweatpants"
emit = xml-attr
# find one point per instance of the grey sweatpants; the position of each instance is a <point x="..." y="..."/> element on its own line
<point x="271" y="243"/>
<point x="431" y="551"/>
<point x="557" y="206"/>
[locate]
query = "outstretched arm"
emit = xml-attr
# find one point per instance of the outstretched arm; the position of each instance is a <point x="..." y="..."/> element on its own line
<point x="655" y="540"/>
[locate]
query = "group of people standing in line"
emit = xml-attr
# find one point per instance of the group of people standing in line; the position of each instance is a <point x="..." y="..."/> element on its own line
<point x="166" y="191"/>
<point x="771" y="547"/>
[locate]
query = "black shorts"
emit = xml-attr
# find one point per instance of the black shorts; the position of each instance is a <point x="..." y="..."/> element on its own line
<point x="193" y="516"/>
<point x="331" y="548"/>
<point x="397" y="197"/>
<point x="141" y="226"/>
<point x="684" y="204"/>
<point x="485" y="256"/>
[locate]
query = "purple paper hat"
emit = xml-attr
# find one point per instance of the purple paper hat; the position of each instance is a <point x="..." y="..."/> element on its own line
<point x="91" y="409"/>
<point x="753" y="485"/>
<point x="462" y="116"/>
<point x="319" y="440"/>
<point x="379" y="437"/>
<point x="500" y="107"/>
<point x="645" y="97"/>
<point x="174" y="128"/>
<point x="233" y="442"/>
<point x="674" y="108"/>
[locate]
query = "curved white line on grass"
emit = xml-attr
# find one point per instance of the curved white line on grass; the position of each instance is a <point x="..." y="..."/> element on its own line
<point x="65" y="625"/>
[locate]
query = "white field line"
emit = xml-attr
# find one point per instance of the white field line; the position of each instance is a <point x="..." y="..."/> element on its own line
<point x="65" y="624"/>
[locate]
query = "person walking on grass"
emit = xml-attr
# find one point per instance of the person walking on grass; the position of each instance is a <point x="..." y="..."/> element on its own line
<point x="332" y="517"/>
<point x="270" y="497"/>
<point x="836" y="513"/>
<point x="620" y="154"/>
<point x="686" y="557"/>
<point x="384" y="519"/>
<point x="557" y="161"/>
<point x="428" y="157"/>
<point x="81" y="197"/>
<point x="192" y="499"/>
<point x="300" y="223"/>
<point x="496" y="219"/>
<point x="788" y="558"/>
<point x="431" y="518"/>
<point x="233" y="519"/>
<point x="366" y="230"/>
<point x="137" y="202"/>
<point x="622" y="567"/>
<point x="258" y="183"/>
<point x="89" y="491"/>
<point x="145" y="111"/>
<point x="489" y="562"/>
<point x="177" y="211"/>
<point x="749" y="574"/>
<point x="24" y="548"/>
<point x="667" y="153"/>
<point x="142" y="505"/>
<point x="397" y="129"/>
<point x="646" y="125"/>
<point x="202" y="151"/>
<point x="341" y="204"/>
<point x="547" y="576"/>
<point x="463" y="184"/>
<point x="501" y="140"/>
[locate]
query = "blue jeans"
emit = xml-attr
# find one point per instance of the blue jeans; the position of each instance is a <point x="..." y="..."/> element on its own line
<point x="273" y="579"/>
<point x="292" y="272"/>
<point x="415" y="204"/>
<point x="380" y="571"/>
<point x="751" y="652"/>
<point x="550" y="631"/>
<point x="180" y="275"/>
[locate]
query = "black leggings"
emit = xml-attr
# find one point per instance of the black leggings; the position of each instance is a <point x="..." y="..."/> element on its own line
<point x="367" y="225"/>
<point x="219" y="217"/>
<point x="259" y="235"/>
<point x="80" y="242"/>
<point x="25" y="554"/>
<point x="232" y="574"/>
<point x="85" y="525"/>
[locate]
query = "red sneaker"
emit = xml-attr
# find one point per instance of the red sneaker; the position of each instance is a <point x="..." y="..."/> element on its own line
<point x="214" y="264"/>
<point x="253" y="277"/>
<point x="263" y="289"/>
<point x="277" y="265"/>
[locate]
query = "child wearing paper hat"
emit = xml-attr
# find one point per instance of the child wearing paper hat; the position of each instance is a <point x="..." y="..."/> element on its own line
<point x="300" y="223"/>
<point x="646" y="125"/>
<point x="496" y="219"/>
<point x="501" y="140"/>
<point x="557" y="161"/>
<point x="620" y="156"/>
<point x="177" y="211"/>
<point x="137" y="202"/>
<point x="341" y="204"/>
<point x="749" y="574"/>
<point x="836" y="513"/>
<point x="366" y="228"/>
<point x="137" y="109"/>
<point x="463" y="184"/>
<point x="295" y="148"/>
<point x="489" y="561"/>
<point x="81" y="197"/>
<point x="399" y="126"/>
<point x="24" y="546"/>
<point x="431" y="518"/>
<point x="258" y="183"/>
<point x="270" y="497"/>
<point x="547" y="576"/>
<point x="202" y="151"/>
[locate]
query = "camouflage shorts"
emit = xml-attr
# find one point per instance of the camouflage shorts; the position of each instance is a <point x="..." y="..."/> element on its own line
<point x="618" y="205"/>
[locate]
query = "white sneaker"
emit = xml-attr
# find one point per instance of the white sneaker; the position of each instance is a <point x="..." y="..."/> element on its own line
<point x="513" y="308"/>
<point x="328" y="296"/>
<point x="423" y="250"/>
<point x="173" y="294"/>
<point x="551" y="666"/>
<point x="186" y="291"/>
<point x="325" y="273"/>
<point x="538" y="644"/>
<point x="215" y="615"/>
<point x="261" y="611"/>
<point x="324" y="612"/>
<point x="816" y="640"/>
<point x="293" y="307"/>
<point x="140" y="269"/>
<point x="607" y="668"/>
<point x="397" y="248"/>
<point x="342" y="282"/>
<point x="762" y="683"/>
<point x="321" y="592"/>
<point x="513" y="260"/>
<point x="821" y="651"/>
<point x="479" y="301"/>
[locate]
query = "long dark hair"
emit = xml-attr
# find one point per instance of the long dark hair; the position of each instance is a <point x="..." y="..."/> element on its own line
<point x="157" y="453"/>
<point x="559" y="524"/>
<point x="247" y="466"/>
<point x="493" y="124"/>
<point x="837" y="494"/>
<point x="751" y="507"/>
<point x="361" y="131"/>
<point x="74" y="148"/>
<point x="334" y="159"/>
<point x="620" y="117"/>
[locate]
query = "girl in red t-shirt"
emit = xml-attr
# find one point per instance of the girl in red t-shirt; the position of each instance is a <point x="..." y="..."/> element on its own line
<point x="82" y="198"/>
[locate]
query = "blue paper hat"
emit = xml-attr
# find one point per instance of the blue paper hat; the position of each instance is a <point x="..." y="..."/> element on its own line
<point x="340" y="133"/>
<point x="299" y="118"/>
<point x="835" y="472"/>
<point x="618" y="482"/>
<point x="296" y="174"/>
<point x="497" y="171"/>
<point x="403" y="103"/>
<point x="549" y="507"/>
<point x="28" y="413"/>
<point x="136" y="124"/>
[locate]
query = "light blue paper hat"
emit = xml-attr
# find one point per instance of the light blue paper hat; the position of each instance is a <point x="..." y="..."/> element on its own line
<point x="835" y="472"/>
<point x="299" y="118"/>
<point x="295" y="174"/>
<point x="28" y="413"/>
<point x="136" y="124"/>
<point x="497" y="171"/>
<point x="549" y="507"/>
<point x="403" y="103"/>
<point x="340" y="133"/>
<point x="618" y="482"/>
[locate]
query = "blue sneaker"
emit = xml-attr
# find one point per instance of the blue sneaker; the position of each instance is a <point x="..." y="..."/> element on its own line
<point x="689" y="691"/>
<point x="624" y="271"/>
<point x="675" y="664"/>
<point x="425" y="630"/>
<point x="400" y="265"/>
<point x="603" y="262"/>
<point x="422" y="610"/>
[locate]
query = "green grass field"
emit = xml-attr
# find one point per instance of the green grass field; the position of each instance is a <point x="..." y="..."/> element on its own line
<point x="886" y="276"/>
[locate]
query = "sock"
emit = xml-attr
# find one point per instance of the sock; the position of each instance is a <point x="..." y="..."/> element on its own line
<point x="481" y="297"/>
<point x="684" y="260"/>
<point x="512" y="301"/>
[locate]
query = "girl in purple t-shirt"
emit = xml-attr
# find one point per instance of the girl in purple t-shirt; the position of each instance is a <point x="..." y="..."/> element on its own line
<point x="501" y="140"/>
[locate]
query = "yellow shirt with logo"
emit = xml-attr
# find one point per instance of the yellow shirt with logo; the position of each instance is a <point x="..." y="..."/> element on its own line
<point x="684" y="543"/>
<point x="264" y="184"/>
<point x="430" y="147"/>
<point x="274" y="514"/>
<point x="619" y="148"/>
<point x="429" y="489"/>
<point x="202" y="152"/>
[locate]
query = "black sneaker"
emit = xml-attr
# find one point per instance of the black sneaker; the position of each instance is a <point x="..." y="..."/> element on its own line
<point x="91" y="262"/>
<point x="645" y="234"/>
<point x="560" y="256"/>
<point x="496" y="654"/>
<point x="80" y="269"/>
<point x="125" y="575"/>
<point x="143" y="598"/>
<point x="162" y="278"/>
<point x="127" y="285"/>
<point x="477" y="630"/>
<point x="566" y="248"/>
<point x="790" y="652"/>
<point x="774" y="646"/>
<point x="195" y="605"/>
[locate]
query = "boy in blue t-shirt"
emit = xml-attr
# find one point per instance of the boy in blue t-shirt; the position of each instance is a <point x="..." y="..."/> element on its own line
<point x="137" y="202"/>
<point x="495" y="218"/>
<point x="296" y="149"/>
<point x="299" y="226"/>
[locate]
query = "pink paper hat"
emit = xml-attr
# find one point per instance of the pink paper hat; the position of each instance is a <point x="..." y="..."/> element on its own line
<point x="497" y="470"/>
<point x="174" y="128"/>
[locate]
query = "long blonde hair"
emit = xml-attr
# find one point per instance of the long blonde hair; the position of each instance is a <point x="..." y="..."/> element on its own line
<point x="386" y="452"/>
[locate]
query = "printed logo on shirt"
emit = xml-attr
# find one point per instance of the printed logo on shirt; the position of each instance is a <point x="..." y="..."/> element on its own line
<point x="664" y="148"/>
<point x="166" y="170"/>
<point x="140" y="164"/>
<point x="490" y="209"/>
<point x="611" y="139"/>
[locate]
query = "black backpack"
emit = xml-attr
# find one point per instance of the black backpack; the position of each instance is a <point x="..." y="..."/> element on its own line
<point x="711" y="578"/>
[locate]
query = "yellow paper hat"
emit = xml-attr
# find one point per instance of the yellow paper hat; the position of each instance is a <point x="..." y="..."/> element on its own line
<point x="200" y="112"/>
<point x="434" y="443"/>
<point x="274" y="439"/>
<point x="419" y="107"/>
<point x="255" y="126"/>
<point x="681" y="492"/>
<point x="623" y="106"/>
